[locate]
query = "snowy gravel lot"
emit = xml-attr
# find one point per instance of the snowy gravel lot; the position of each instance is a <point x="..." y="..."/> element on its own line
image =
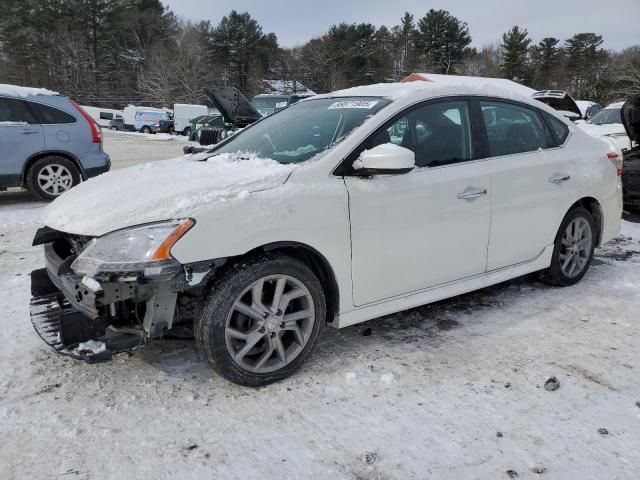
<point x="452" y="390"/>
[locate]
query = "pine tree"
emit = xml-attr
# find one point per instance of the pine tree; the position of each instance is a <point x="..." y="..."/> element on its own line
<point x="442" y="39"/>
<point x="515" y="45"/>
<point x="544" y="59"/>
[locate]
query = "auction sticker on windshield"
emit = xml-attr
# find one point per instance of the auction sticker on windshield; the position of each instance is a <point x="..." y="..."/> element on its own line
<point x="366" y="104"/>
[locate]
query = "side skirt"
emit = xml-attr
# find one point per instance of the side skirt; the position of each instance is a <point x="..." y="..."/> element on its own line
<point x="441" y="292"/>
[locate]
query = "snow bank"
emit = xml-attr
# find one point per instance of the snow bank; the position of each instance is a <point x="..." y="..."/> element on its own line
<point x="18" y="91"/>
<point x="161" y="190"/>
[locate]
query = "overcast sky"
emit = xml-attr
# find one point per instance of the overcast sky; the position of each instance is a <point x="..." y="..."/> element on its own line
<point x="295" y="22"/>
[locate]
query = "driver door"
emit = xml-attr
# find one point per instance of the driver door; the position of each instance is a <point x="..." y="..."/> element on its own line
<point x="430" y="226"/>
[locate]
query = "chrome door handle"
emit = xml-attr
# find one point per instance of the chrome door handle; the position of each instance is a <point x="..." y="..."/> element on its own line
<point x="559" y="178"/>
<point x="470" y="193"/>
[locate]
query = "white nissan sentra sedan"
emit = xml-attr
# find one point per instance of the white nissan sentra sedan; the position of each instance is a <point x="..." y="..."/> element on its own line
<point x="336" y="210"/>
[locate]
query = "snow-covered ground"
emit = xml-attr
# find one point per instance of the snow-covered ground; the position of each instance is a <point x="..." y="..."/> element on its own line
<point x="131" y="148"/>
<point x="453" y="390"/>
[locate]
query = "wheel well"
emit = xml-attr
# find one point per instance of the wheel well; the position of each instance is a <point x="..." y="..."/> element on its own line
<point x="593" y="206"/>
<point x="37" y="157"/>
<point x="316" y="262"/>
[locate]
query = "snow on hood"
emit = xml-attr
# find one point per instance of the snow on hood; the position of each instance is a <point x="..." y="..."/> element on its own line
<point x="23" y="92"/>
<point x="163" y="190"/>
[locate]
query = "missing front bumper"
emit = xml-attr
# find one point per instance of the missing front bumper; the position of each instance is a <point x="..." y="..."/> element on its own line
<point x="70" y="332"/>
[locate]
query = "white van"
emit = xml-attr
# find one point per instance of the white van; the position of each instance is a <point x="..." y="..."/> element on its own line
<point x="182" y="115"/>
<point x="144" y="119"/>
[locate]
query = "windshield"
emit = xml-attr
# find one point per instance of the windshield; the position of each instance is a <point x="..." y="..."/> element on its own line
<point x="607" y="116"/>
<point x="305" y="129"/>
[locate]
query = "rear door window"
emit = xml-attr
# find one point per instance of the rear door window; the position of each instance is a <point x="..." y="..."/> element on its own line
<point x="512" y="129"/>
<point x="50" y="115"/>
<point x="14" y="110"/>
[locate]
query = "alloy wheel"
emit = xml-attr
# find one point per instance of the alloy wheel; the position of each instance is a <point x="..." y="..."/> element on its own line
<point x="55" y="179"/>
<point x="270" y="323"/>
<point x="576" y="246"/>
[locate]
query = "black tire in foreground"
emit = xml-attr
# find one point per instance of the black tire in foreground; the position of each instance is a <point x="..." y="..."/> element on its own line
<point x="261" y="319"/>
<point x="49" y="177"/>
<point x="573" y="249"/>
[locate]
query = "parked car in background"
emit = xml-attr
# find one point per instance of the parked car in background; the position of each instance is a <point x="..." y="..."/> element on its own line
<point x="588" y="108"/>
<point x="117" y="124"/>
<point x="236" y="112"/>
<point x="339" y="209"/>
<point x="48" y="142"/>
<point x="631" y="169"/>
<point x="211" y="120"/>
<point x="561" y="101"/>
<point x="103" y="116"/>
<point x="608" y="123"/>
<point x="267" y="104"/>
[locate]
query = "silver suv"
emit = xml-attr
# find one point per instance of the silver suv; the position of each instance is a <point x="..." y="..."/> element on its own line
<point x="48" y="143"/>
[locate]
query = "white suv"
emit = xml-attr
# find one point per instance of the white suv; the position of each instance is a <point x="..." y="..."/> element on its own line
<point x="336" y="210"/>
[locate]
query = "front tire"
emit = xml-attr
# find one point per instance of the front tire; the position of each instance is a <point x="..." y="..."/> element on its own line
<point x="573" y="249"/>
<point x="50" y="177"/>
<point x="261" y="320"/>
<point x="145" y="129"/>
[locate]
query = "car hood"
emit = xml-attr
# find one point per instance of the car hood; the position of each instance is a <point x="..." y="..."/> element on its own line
<point x="631" y="118"/>
<point x="234" y="106"/>
<point x="164" y="190"/>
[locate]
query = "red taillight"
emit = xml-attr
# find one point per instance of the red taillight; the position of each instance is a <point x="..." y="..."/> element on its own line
<point x="616" y="160"/>
<point x="96" y="134"/>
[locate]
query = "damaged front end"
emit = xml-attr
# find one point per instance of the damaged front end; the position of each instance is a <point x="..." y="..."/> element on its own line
<point x="88" y="307"/>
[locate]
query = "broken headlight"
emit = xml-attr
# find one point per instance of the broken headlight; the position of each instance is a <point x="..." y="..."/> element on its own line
<point x="145" y="249"/>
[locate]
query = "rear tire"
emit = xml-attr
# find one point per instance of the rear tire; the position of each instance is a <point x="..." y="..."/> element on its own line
<point x="573" y="249"/>
<point x="50" y="177"/>
<point x="187" y="132"/>
<point x="145" y="129"/>
<point x="251" y="334"/>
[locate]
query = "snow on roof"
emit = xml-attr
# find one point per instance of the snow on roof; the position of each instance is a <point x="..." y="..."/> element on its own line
<point x="479" y="82"/>
<point x="394" y="91"/>
<point x="391" y="91"/>
<point x="615" y="105"/>
<point x="18" y="91"/>
<point x="286" y="87"/>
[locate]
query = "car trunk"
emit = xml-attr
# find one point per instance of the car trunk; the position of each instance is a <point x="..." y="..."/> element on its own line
<point x="561" y="101"/>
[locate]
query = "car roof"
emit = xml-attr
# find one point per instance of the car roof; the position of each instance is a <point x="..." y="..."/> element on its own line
<point x="614" y="105"/>
<point x="23" y="92"/>
<point x="425" y="90"/>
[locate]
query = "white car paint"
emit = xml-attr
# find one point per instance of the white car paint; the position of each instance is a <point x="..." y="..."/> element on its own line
<point x="615" y="132"/>
<point x="392" y="241"/>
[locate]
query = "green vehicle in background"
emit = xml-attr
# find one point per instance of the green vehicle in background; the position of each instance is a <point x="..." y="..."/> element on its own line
<point x="267" y="104"/>
<point x="213" y="120"/>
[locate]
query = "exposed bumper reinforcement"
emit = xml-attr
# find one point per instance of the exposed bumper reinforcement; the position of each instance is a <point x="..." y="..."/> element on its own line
<point x="68" y="331"/>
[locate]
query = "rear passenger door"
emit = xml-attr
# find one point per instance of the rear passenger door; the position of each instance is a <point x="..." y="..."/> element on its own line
<point x="62" y="131"/>
<point x="20" y="138"/>
<point x="530" y="180"/>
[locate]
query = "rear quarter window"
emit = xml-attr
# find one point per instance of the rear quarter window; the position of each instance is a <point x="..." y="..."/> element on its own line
<point x="50" y="115"/>
<point x="558" y="128"/>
